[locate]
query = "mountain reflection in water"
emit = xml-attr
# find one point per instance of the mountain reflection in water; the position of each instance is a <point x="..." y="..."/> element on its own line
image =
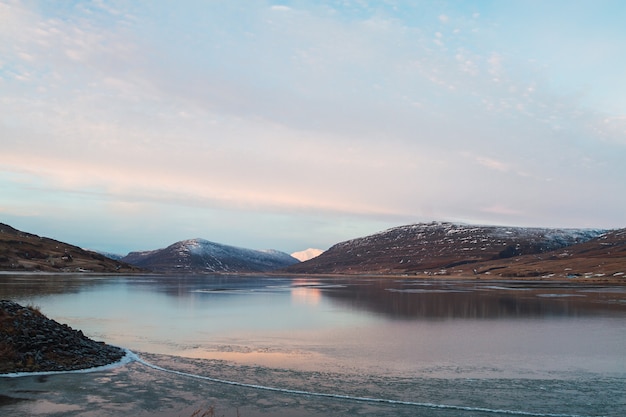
<point x="542" y="348"/>
<point x="444" y="300"/>
<point x="392" y="298"/>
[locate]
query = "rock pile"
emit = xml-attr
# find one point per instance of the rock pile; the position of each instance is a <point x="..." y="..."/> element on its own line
<point x="30" y="342"/>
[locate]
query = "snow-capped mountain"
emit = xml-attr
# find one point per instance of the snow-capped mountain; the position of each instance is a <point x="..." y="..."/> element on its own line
<point x="440" y="247"/>
<point x="599" y="258"/>
<point x="199" y="255"/>
<point x="110" y="255"/>
<point x="305" y="255"/>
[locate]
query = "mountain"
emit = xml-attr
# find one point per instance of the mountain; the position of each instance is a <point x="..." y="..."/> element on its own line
<point x="109" y="255"/>
<point x="457" y="249"/>
<point x="199" y="255"/>
<point x="307" y="254"/>
<point x="21" y="251"/>
<point x="598" y="258"/>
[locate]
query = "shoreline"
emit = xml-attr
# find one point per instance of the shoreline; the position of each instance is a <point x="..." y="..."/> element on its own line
<point x="605" y="279"/>
<point x="30" y="342"/>
<point x="128" y="357"/>
<point x="612" y="280"/>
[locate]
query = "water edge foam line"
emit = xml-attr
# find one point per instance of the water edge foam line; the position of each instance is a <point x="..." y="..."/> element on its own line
<point x="349" y="397"/>
<point x="130" y="356"/>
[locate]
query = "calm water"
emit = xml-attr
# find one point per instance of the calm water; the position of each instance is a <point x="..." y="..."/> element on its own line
<point x="347" y="346"/>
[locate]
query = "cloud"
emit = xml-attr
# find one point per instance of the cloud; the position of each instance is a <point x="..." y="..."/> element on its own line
<point x="500" y="209"/>
<point x="495" y="65"/>
<point x="286" y="110"/>
<point x="280" y="8"/>
<point x="613" y="129"/>
<point x="492" y="164"/>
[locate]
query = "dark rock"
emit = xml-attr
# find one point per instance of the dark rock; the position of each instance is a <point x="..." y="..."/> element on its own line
<point x="30" y="342"/>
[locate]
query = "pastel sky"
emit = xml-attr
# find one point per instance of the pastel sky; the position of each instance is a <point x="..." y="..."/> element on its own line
<point x="129" y="125"/>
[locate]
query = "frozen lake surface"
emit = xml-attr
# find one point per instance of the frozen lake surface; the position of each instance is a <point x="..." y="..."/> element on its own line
<point x="274" y="346"/>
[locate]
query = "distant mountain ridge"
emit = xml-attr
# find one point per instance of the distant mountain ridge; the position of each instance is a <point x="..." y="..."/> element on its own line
<point x="449" y="248"/>
<point x="109" y="255"/>
<point x="423" y="249"/>
<point x="305" y="255"/>
<point x="200" y="255"/>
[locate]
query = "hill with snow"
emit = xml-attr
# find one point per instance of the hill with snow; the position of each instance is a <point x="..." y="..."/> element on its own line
<point x="447" y="248"/>
<point x="600" y="258"/>
<point x="305" y="255"/>
<point x="199" y="255"/>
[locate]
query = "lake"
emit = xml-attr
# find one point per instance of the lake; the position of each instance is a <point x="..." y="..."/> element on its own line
<point x="310" y="346"/>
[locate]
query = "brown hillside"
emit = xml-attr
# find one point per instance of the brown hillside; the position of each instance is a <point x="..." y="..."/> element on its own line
<point x="20" y="251"/>
<point x="600" y="258"/>
<point x="466" y="250"/>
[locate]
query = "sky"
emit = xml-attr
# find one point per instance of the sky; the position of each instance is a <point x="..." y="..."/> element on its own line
<point x="130" y="125"/>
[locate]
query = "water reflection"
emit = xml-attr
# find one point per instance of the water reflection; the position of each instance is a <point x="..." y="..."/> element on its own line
<point x="28" y="285"/>
<point x="306" y="292"/>
<point x="395" y="299"/>
<point x="447" y="300"/>
<point x="383" y="326"/>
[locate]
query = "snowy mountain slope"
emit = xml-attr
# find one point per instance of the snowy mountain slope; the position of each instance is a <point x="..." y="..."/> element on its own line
<point x="199" y="255"/>
<point x="305" y="255"/>
<point x="600" y="258"/>
<point x="437" y="247"/>
<point x="110" y="255"/>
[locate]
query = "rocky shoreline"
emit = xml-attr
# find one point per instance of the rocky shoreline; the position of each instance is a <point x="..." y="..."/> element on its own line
<point x="31" y="342"/>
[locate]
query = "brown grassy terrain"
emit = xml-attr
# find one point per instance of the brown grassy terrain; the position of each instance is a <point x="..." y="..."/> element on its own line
<point x="489" y="252"/>
<point x="600" y="259"/>
<point x="20" y="251"/>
